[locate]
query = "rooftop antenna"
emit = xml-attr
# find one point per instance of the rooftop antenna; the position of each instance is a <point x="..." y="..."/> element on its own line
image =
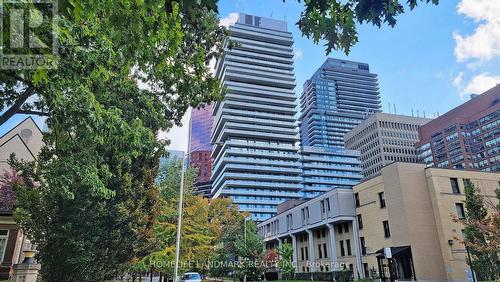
<point x="395" y="112"/>
<point x="412" y="112"/>
<point x="424" y="114"/>
<point x="389" y="107"/>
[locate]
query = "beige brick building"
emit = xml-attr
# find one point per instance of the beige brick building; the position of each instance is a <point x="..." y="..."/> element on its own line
<point x="401" y="221"/>
<point x="408" y="209"/>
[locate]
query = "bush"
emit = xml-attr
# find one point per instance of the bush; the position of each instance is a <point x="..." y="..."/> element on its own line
<point x="336" y="276"/>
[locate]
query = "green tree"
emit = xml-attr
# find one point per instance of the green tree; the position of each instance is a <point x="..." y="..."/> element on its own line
<point x="479" y="236"/>
<point x="207" y="227"/>
<point x="285" y="262"/>
<point x="91" y="202"/>
<point x="196" y="234"/>
<point x="220" y="262"/>
<point x="250" y="250"/>
<point x="335" y="20"/>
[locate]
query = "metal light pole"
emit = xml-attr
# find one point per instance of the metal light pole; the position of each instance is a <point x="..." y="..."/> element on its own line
<point x="470" y="264"/>
<point x="245" y="223"/>
<point x="179" y="223"/>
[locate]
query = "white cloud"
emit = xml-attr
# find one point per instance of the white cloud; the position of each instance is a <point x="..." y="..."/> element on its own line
<point x="298" y="54"/>
<point x="457" y="81"/>
<point x="484" y="43"/>
<point x="480" y="83"/>
<point x="178" y="135"/>
<point x="229" y="20"/>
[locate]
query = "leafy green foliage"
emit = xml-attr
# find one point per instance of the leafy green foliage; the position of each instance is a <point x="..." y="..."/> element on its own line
<point x="481" y="234"/>
<point x="207" y="228"/>
<point x="285" y="262"/>
<point x="250" y="251"/>
<point x="90" y="200"/>
<point x="335" y="20"/>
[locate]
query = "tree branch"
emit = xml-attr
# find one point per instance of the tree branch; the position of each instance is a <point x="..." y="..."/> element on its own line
<point x="17" y="105"/>
<point x="30" y="112"/>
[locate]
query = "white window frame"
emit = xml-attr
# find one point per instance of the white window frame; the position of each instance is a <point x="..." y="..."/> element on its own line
<point x="6" y="238"/>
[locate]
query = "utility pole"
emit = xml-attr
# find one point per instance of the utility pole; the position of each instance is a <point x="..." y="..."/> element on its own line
<point x="179" y="224"/>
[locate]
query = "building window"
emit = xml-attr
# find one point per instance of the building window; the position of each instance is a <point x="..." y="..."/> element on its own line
<point x="356" y="200"/>
<point x="325" y="252"/>
<point x="387" y="231"/>
<point x="4" y="236"/>
<point x="320" y="251"/>
<point x="348" y="245"/>
<point x="328" y="204"/>
<point x="339" y="228"/>
<point x="342" y="251"/>
<point x="454" y="186"/>
<point x="363" y="245"/>
<point x="360" y="222"/>
<point x="305" y="215"/>
<point x="366" y="269"/>
<point x="307" y="252"/>
<point x="460" y="210"/>
<point x="346" y="227"/>
<point x="302" y="253"/>
<point x="381" y="198"/>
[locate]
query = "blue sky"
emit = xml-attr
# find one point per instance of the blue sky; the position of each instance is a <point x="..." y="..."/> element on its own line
<point x="415" y="60"/>
<point x="431" y="61"/>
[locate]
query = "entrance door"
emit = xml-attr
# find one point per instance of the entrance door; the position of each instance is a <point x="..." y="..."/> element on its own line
<point x="398" y="267"/>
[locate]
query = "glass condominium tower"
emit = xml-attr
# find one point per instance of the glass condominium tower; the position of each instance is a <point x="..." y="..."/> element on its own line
<point x="255" y="158"/>
<point x="339" y="96"/>
<point x="334" y="100"/>
<point x="200" y="148"/>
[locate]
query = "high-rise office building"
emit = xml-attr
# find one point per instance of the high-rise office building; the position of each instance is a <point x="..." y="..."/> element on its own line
<point x="334" y="100"/>
<point x="256" y="160"/>
<point x="383" y="139"/>
<point x="200" y="149"/>
<point x="467" y="137"/>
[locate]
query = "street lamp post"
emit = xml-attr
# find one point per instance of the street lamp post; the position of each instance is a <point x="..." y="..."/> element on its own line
<point x="179" y="223"/>
<point x="245" y="228"/>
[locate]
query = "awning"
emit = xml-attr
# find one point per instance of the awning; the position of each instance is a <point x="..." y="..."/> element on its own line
<point x="397" y="252"/>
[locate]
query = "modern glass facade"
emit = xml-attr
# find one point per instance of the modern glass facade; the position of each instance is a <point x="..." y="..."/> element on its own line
<point x="256" y="160"/>
<point x="327" y="168"/>
<point x="338" y="97"/>
<point x="200" y="128"/>
<point x="199" y="148"/>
